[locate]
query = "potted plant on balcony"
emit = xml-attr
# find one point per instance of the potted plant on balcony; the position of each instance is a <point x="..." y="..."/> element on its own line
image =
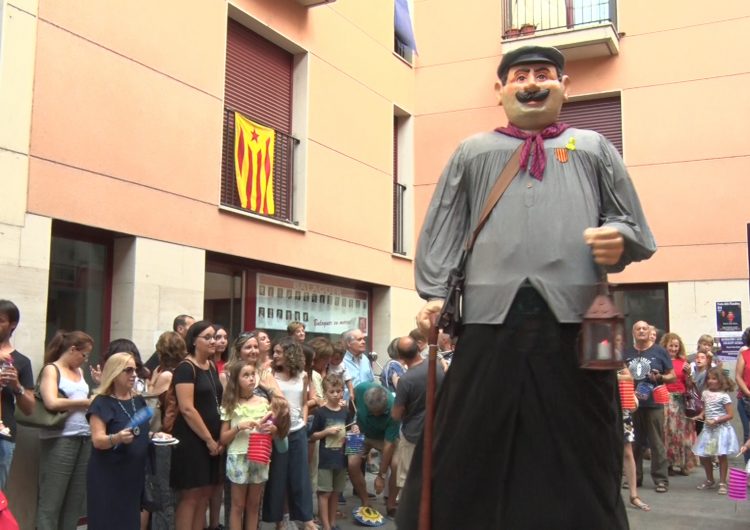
<point x="512" y="33"/>
<point x="528" y="29"/>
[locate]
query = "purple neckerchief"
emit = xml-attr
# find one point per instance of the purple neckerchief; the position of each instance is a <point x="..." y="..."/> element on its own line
<point x="539" y="161"/>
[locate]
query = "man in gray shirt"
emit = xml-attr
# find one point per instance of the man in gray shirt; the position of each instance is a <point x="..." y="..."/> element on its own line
<point x="518" y="424"/>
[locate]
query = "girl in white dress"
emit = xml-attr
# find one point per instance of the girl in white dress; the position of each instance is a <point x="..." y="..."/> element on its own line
<point x="718" y="437"/>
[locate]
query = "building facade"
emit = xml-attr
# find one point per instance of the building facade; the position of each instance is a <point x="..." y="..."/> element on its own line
<point x="260" y="161"/>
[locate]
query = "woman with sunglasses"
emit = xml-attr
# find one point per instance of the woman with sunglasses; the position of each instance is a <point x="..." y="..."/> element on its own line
<point x="117" y="467"/>
<point x="197" y="464"/>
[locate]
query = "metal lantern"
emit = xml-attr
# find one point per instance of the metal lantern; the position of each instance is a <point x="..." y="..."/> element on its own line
<point x="602" y="333"/>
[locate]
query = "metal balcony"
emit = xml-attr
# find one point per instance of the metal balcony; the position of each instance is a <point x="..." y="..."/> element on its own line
<point x="580" y="29"/>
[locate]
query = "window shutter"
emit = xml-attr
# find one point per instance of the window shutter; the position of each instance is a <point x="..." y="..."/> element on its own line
<point x="258" y="78"/>
<point x="601" y="115"/>
<point x="258" y="84"/>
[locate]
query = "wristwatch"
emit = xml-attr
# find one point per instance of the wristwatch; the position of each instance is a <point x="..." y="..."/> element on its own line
<point x="19" y="390"/>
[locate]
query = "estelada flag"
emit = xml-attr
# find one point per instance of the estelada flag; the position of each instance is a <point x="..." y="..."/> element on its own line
<point x="253" y="164"/>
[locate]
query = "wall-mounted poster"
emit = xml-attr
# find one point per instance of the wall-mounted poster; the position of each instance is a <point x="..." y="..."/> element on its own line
<point x="323" y="308"/>
<point x="728" y="316"/>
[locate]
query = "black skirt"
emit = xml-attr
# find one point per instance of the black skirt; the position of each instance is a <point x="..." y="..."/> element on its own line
<point x="524" y="438"/>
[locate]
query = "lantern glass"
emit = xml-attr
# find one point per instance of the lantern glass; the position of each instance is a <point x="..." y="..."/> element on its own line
<point x="601" y="346"/>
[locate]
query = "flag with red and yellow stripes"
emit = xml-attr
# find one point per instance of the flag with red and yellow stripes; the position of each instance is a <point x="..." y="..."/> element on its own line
<point x="253" y="164"/>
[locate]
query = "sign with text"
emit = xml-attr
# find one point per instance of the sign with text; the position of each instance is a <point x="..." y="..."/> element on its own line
<point x="729" y="316"/>
<point x="321" y="307"/>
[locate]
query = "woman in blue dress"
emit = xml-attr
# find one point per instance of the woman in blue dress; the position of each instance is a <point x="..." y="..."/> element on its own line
<point x="117" y="467"/>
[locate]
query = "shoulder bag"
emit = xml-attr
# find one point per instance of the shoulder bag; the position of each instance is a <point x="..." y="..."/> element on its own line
<point x="693" y="402"/>
<point x="170" y="408"/>
<point x="41" y="417"/>
<point x="450" y="318"/>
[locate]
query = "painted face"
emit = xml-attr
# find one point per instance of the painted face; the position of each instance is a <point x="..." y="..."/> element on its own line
<point x="532" y="96"/>
<point x="249" y="350"/>
<point x="334" y="394"/>
<point x="127" y="377"/>
<point x="221" y="341"/>
<point x="247" y="378"/>
<point x="673" y="348"/>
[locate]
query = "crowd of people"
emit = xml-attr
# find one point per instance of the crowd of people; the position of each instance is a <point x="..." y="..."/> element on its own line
<point x="693" y="427"/>
<point x="255" y="426"/>
<point x="262" y="427"/>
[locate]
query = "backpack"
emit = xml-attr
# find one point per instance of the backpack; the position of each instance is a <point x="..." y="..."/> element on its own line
<point x="170" y="409"/>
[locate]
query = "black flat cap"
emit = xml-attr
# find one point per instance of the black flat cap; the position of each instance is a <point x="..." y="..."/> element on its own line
<point x="531" y="54"/>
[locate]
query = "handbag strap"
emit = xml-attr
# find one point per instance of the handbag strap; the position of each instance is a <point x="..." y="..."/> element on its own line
<point x="37" y="385"/>
<point x="501" y="184"/>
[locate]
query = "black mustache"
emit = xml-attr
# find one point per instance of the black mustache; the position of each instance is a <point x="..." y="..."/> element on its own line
<point x="539" y="95"/>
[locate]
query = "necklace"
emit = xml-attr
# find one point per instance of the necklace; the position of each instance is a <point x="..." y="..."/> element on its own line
<point x="213" y="388"/>
<point x="136" y="429"/>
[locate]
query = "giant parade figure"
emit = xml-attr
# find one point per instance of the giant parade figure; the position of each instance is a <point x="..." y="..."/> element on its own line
<point x="524" y="438"/>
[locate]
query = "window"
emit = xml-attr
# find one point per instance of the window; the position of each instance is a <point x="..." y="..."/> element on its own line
<point x="222" y="301"/>
<point x="398" y="198"/>
<point x="403" y="180"/>
<point x="80" y="285"/>
<point x="258" y="148"/>
<point x="642" y="302"/>
<point x="403" y="35"/>
<point x="601" y="115"/>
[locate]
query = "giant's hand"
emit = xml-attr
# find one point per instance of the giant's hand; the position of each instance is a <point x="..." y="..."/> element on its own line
<point x="607" y="244"/>
<point x="427" y="315"/>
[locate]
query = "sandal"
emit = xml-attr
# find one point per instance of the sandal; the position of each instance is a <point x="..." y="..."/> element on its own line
<point x="661" y="487"/>
<point x="722" y="488"/>
<point x="638" y="503"/>
<point x="707" y="485"/>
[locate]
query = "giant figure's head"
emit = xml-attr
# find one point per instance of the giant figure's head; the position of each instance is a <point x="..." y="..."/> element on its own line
<point x="532" y="87"/>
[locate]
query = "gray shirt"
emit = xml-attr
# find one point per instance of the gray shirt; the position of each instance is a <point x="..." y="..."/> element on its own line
<point x="411" y="393"/>
<point x="535" y="232"/>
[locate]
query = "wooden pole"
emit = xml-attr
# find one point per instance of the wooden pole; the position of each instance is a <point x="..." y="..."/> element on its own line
<point x="425" y="505"/>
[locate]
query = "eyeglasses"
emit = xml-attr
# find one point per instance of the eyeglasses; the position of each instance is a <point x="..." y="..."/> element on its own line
<point x="130" y="370"/>
<point x="207" y="338"/>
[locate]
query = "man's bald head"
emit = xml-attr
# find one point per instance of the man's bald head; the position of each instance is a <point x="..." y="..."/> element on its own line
<point x="407" y="348"/>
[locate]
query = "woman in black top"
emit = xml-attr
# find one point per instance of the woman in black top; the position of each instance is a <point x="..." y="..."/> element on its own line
<point x="196" y="460"/>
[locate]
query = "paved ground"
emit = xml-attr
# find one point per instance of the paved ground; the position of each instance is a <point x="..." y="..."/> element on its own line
<point x="685" y="507"/>
<point x="682" y="508"/>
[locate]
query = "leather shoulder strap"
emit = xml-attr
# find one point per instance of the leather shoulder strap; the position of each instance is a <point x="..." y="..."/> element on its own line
<point x="503" y="181"/>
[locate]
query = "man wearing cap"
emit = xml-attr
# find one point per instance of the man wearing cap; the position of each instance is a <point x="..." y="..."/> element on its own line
<point x="523" y="437"/>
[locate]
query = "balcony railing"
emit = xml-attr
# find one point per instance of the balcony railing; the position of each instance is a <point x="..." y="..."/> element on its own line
<point x="283" y="174"/>
<point x="523" y="18"/>
<point x="398" y="218"/>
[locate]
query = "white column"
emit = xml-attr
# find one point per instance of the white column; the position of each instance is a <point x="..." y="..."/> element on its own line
<point x="153" y="282"/>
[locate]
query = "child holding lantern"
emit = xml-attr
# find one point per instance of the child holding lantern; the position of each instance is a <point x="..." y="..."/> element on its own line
<point x="718" y="437"/>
